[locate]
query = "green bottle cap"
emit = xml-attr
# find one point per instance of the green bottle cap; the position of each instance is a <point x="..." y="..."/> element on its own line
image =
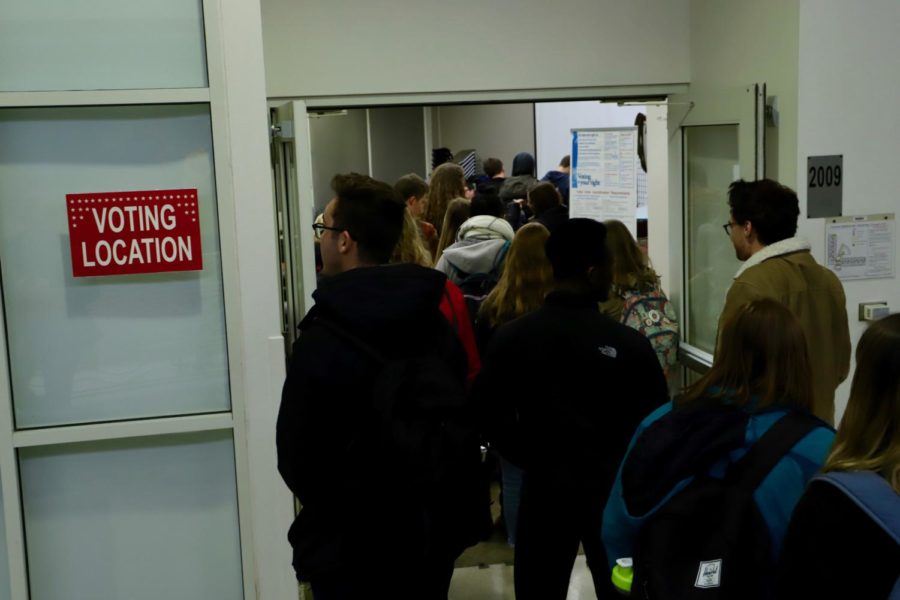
<point x="622" y="575"/>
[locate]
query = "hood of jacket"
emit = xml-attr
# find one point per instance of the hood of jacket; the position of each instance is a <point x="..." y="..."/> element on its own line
<point x="517" y="187"/>
<point x="474" y="255"/>
<point x="556" y="178"/>
<point x="485" y="227"/>
<point x="387" y="302"/>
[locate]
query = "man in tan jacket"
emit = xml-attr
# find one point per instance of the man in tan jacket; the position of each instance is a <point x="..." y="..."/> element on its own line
<point x="779" y="266"/>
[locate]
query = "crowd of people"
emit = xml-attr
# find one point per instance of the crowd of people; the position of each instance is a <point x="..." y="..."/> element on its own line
<point x="451" y="317"/>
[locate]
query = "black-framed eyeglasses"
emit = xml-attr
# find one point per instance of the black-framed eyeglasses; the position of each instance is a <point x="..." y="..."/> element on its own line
<point x="727" y="227"/>
<point x="320" y="228"/>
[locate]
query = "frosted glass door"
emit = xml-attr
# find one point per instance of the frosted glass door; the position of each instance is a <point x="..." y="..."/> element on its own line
<point x="106" y="348"/>
<point x="101" y="45"/>
<point x="138" y="519"/>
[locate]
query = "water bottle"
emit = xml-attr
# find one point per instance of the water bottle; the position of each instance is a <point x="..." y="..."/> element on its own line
<point x="622" y="575"/>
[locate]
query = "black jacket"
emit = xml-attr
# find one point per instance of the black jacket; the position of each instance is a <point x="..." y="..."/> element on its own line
<point x="553" y="217"/>
<point x="324" y="454"/>
<point x="564" y="388"/>
<point x="834" y="550"/>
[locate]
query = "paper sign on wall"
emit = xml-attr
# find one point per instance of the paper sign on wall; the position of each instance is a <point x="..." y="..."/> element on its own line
<point x="861" y="247"/>
<point x="126" y="233"/>
<point x="603" y="182"/>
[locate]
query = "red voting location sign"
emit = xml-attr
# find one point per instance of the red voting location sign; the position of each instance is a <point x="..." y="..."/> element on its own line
<point x="124" y="233"/>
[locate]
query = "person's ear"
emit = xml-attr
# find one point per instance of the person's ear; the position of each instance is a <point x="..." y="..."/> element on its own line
<point x="345" y="242"/>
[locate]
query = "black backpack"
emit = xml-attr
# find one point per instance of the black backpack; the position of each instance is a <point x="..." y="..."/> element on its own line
<point x="709" y="541"/>
<point x="426" y="448"/>
<point x="476" y="286"/>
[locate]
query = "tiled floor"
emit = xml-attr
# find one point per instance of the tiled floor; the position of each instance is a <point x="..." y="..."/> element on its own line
<point x="496" y="583"/>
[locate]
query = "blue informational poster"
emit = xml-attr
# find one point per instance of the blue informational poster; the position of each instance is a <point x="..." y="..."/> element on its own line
<point x="603" y="180"/>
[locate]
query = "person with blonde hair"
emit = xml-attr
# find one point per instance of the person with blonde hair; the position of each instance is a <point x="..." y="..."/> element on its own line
<point x="527" y="278"/>
<point x="447" y="182"/>
<point x="411" y="247"/>
<point x="734" y="452"/>
<point x="457" y="213"/>
<point x="844" y="537"/>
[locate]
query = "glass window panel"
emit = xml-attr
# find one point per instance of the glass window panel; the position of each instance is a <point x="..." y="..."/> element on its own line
<point x="101" y="44"/>
<point x="139" y="519"/>
<point x="106" y="348"/>
<point x="711" y="159"/>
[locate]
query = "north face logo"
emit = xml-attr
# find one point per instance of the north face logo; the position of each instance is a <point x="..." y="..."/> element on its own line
<point x="709" y="575"/>
<point x="608" y="351"/>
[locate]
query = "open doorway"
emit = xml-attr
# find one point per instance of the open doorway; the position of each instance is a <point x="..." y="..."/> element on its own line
<point x="387" y="142"/>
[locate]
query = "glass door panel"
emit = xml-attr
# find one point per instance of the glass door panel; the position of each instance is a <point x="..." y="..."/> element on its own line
<point x="711" y="162"/>
<point x="92" y="349"/>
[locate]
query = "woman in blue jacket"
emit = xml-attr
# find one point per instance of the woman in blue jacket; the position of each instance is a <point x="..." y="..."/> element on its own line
<point x="761" y="374"/>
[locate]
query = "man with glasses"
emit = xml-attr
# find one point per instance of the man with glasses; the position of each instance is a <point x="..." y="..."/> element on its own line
<point x="363" y="527"/>
<point x="778" y="265"/>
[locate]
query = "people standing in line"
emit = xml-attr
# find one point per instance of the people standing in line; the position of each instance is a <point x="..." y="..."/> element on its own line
<point x="447" y="182"/>
<point x="836" y="548"/>
<point x="414" y="191"/>
<point x="527" y="278"/>
<point x="514" y="192"/>
<point x="494" y="176"/>
<point x="458" y="212"/>
<point x="778" y="265"/>
<point x="546" y="205"/>
<point x="760" y="377"/>
<point x="360" y="516"/>
<point x="481" y="243"/>
<point x="563" y="389"/>
<point x="560" y="178"/>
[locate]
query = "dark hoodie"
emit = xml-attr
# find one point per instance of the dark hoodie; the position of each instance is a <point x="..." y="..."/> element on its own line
<point x="522" y="181"/>
<point x="348" y="518"/>
<point x="560" y="181"/>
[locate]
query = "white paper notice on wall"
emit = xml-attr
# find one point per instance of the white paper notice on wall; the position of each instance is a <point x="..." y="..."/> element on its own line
<point x="603" y="181"/>
<point x="861" y="247"/>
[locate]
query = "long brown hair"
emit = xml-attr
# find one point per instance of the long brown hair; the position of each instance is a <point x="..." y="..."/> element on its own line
<point x="527" y="277"/>
<point x="869" y="434"/>
<point x="411" y="247"/>
<point x="447" y="182"/>
<point x="457" y="212"/>
<point x="631" y="267"/>
<point x="762" y="361"/>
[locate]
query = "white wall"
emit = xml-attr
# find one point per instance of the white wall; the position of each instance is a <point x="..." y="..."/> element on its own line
<point x="493" y="130"/>
<point x="346" y="47"/>
<point x="555" y="120"/>
<point x="735" y="43"/>
<point x="397" y="141"/>
<point x="847" y="95"/>
<point x="339" y="144"/>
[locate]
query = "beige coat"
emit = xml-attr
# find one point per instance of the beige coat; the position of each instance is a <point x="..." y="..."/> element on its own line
<point x="787" y="272"/>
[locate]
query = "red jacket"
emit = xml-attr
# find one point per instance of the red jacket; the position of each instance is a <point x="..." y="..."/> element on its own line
<point x="453" y="306"/>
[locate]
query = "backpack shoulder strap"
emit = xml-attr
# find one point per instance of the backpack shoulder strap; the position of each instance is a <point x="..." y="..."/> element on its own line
<point x="501" y="257"/>
<point x="872" y="494"/>
<point x="749" y="471"/>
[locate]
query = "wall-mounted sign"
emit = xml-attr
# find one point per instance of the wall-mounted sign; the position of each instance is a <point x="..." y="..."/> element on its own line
<point x="603" y="180"/>
<point x="861" y="247"/>
<point x="125" y="233"/>
<point x="824" y="186"/>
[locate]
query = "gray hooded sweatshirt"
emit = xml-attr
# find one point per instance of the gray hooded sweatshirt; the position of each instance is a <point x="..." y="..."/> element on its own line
<point x="480" y="242"/>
